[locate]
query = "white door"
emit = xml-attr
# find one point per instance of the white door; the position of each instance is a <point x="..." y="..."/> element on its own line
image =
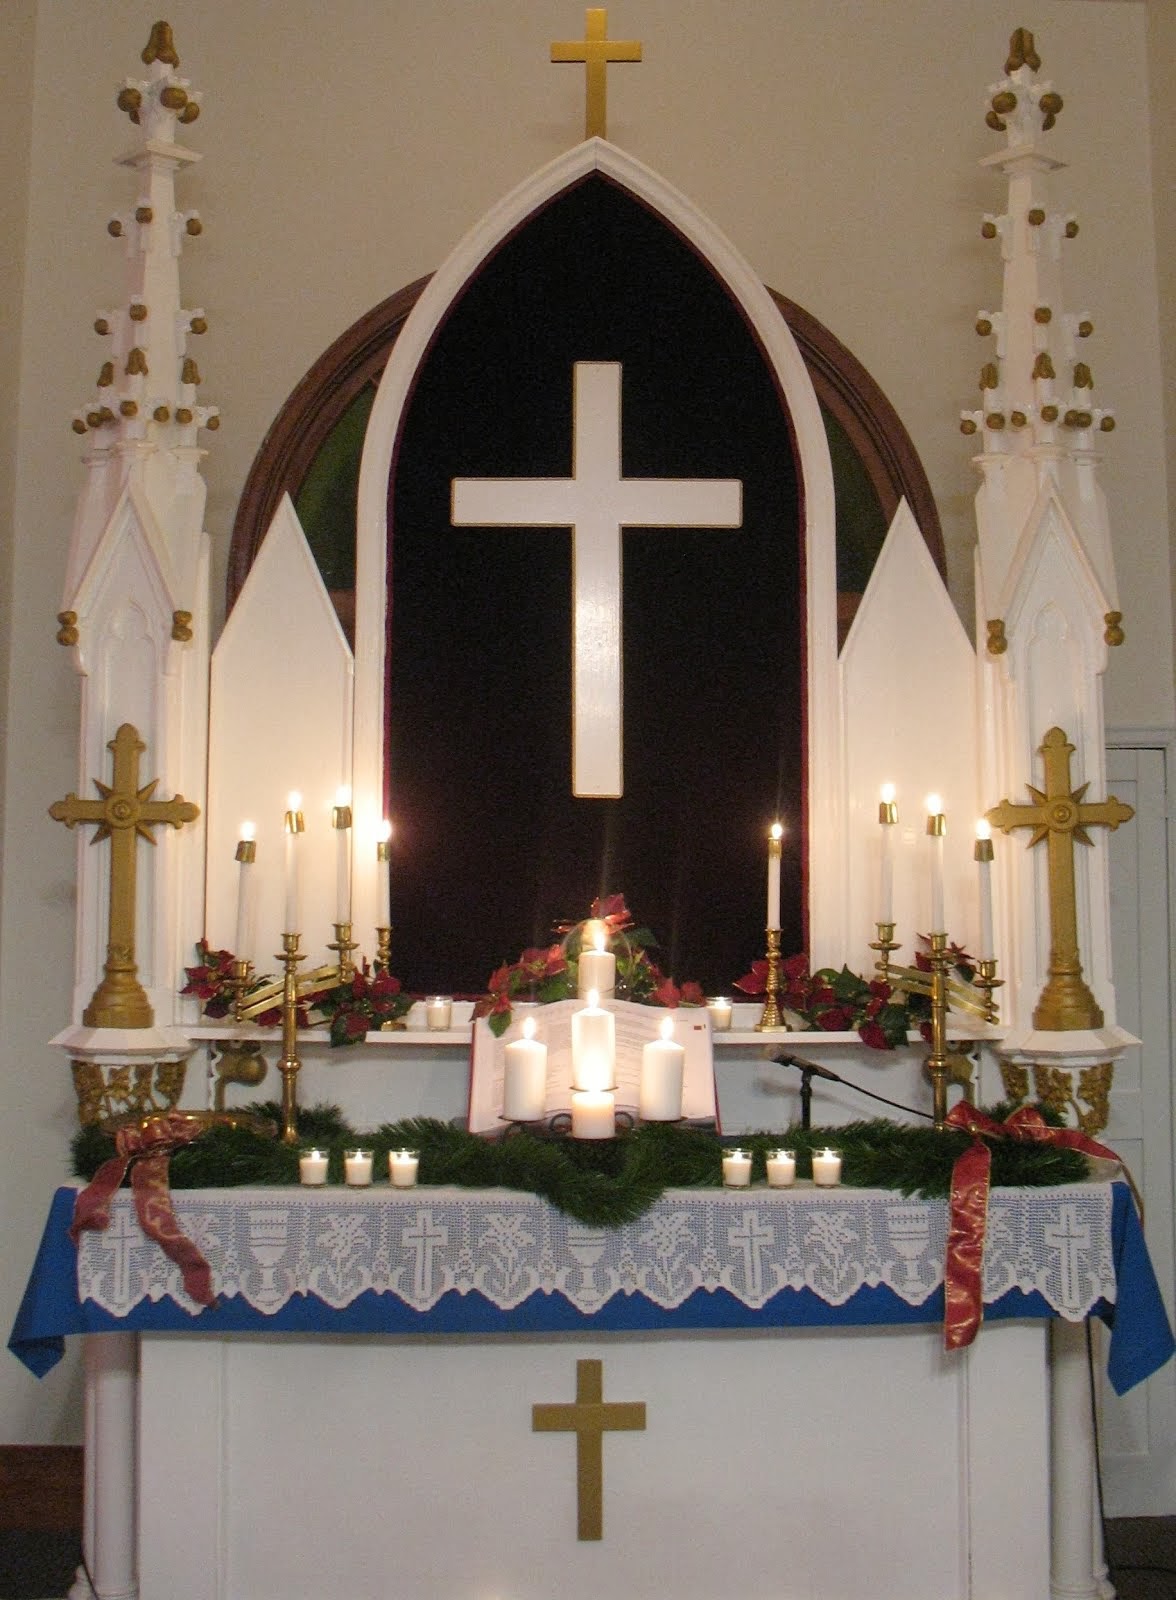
<point x="1138" y="1432"/>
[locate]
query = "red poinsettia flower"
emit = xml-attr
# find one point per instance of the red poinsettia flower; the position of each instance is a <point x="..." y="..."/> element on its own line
<point x="837" y="1019"/>
<point x="872" y="1035"/>
<point x="692" y="994"/>
<point x="667" y="994"/>
<point x="613" y="912"/>
<point x="795" y="969"/>
<point x="755" y="981"/>
<point x="385" y="986"/>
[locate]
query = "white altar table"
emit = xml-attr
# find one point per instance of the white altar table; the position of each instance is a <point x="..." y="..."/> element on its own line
<point x="326" y="1428"/>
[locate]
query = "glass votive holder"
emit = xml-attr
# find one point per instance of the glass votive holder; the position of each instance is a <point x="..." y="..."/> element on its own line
<point x="826" y="1168"/>
<point x="781" y="1165"/>
<point x="438" y="1012"/>
<point x="357" y="1168"/>
<point x="312" y="1168"/>
<point x="403" y="1166"/>
<point x="736" y="1169"/>
<point x="720" y="1012"/>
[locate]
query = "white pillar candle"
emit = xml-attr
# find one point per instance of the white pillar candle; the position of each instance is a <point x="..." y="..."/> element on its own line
<point x="826" y="1169"/>
<point x="438" y="1012"/>
<point x="596" y="967"/>
<point x="593" y="1114"/>
<point x="781" y="1165"/>
<point x="524" y="1083"/>
<point x="888" y="818"/>
<point x="936" y="828"/>
<point x="736" y="1169"/>
<point x="357" y="1168"/>
<point x="983" y="853"/>
<point x="294" y="826"/>
<point x="663" y="1062"/>
<point x="341" y="823"/>
<point x="312" y="1168"/>
<point x="384" y="879"/>
<point x="247" y="857"/>
<point x="403" y="1166"/>
<point x="775" y="835"/>
<point x="720" y="1012"/>
<point x="594" y="1049"/>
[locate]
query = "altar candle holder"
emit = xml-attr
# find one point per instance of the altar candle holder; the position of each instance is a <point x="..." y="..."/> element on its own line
<point x="987" y="982"/>
<point x="383" y="949"/>
<point x="937" y="1061"/>
<point x="343" y="946"/>
<point x="772" y="1018"/>
<point x="242" y="978"/>
<point x="885" y="944"/>
<point x="289" y="1065"/>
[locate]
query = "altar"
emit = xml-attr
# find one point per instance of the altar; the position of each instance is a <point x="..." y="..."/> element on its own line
<point x="358" y="1411"/>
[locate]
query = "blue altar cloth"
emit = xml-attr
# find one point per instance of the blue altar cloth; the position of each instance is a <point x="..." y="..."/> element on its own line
<point x="53" y="1308"/>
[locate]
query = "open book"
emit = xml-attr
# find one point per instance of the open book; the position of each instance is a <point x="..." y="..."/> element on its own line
<point x="636" y="1025"/>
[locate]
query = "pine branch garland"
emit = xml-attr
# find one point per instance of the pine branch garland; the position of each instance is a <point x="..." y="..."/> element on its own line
<point x="600" y="1182"/>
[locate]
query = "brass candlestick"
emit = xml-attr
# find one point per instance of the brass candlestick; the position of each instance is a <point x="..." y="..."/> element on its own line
<point x="937" y="1061"/>
<point x="383" y="949"/>
<point x="772" y="1018"/>
<point x="987" y="982"/>
<point x="885" y="945"/>
<point x="290" y="1065"/>
<point x="344" y="945"/>
<point x="242" y="977"/>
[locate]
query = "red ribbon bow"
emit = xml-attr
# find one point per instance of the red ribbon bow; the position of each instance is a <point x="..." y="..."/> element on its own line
<point x="146" y="1150"/>
<point x="963" y="1278"/>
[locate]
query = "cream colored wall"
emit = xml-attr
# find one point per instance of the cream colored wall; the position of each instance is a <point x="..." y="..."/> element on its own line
<point x="346" y="150"/>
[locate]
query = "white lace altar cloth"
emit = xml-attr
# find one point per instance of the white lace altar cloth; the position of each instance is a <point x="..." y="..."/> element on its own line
<point x="270" y="1245"/>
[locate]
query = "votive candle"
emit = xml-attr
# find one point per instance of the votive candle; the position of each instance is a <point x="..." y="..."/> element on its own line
<point x="720" y="1012"/>
<point x="357" y="1168"/>
<point x="736" y="1169"/>
<point x="826" y="1169"/>
<point x="312" y="1168"/>
<point x="781" y="1165"/>
<point x="403" y="1166"/>
<point x="524" y="1082"/>
<point x="438" y="1012"/>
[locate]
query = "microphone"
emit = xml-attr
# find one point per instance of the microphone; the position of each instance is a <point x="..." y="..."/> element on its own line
<point x="785" y="1060"/>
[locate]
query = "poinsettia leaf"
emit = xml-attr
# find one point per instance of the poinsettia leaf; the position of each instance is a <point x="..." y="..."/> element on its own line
<point x="846" y="985"/>
<point x="554" y="988"/>
<point x="499" y="1022"/>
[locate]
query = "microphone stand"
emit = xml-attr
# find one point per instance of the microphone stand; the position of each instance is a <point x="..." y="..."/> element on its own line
<point x="811" y="1069"/>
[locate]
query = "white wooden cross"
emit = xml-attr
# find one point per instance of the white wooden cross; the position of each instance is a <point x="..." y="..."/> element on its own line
<point x="596" y="503"/>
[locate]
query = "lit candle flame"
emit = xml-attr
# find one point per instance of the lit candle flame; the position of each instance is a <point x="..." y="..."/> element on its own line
<point x="667" y="1028"/>
<point x="528" y="1027"/>
<point x="888" y="794"/>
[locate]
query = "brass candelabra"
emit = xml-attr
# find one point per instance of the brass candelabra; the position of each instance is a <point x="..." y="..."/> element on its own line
<point x="772" y="1019"/>
<point x="289" y="1065"/>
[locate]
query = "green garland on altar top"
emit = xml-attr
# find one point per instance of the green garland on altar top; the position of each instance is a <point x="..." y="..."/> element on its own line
<point x="600" y="1182"/>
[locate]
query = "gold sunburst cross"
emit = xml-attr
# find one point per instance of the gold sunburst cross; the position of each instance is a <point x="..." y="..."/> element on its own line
<point x="124" y="813"/>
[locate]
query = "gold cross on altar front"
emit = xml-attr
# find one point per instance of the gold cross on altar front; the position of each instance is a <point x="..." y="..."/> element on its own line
<point x="124" y="813"/>
<point x="596" y="50"/>
<point x="589" y="1419"/>
<point x="1061" y="816"/>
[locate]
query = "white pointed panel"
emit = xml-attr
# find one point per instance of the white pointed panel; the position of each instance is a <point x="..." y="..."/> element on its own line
<point x="124" y="608"/>
<point x="908" y="687"/>
<point x="1052" y="670"/>
<point x="279" y="720"/>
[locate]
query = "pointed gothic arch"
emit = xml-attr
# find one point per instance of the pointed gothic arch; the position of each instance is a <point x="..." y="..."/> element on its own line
<point x="406" y="325"/>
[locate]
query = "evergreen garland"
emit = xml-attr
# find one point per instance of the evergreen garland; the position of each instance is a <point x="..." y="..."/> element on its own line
<point x="600" y="1182"/>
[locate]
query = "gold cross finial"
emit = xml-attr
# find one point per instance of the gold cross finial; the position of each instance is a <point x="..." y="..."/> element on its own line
<point x="589" y="1419"/>
<point x="124" y="813"/>
<point x="596" y="50"/>
<point x="1060" y="815"/>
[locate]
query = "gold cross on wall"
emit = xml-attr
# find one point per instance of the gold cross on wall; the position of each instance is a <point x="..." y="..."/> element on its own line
<point x="596" y="50"/>
<point x="124" y="813"/>
<point x="1060" y="816"/>
<point x="589" y="1419"/>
